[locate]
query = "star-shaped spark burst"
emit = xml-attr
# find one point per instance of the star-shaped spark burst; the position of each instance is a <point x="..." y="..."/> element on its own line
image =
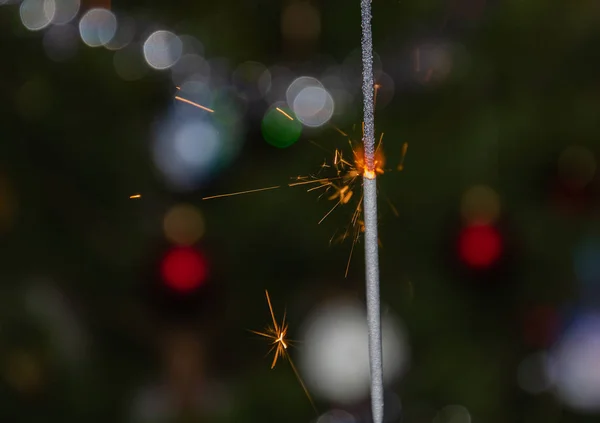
<point x="276" y="334"/>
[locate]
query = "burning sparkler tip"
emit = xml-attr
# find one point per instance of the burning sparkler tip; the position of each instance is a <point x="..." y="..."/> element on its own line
<point x="370" y="174"/>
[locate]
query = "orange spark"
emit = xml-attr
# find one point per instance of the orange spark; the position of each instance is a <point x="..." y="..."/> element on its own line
<point x="200" y="106"/>
<point x="404" y="150"/>
<point x="277" y="335"/>
<point x="284" y="113"/>
<point x="135" y="196"/>
<point x="241" y="192"/>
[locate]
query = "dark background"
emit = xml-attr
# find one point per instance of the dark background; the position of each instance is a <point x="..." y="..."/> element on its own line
<point x="523" y="85"/>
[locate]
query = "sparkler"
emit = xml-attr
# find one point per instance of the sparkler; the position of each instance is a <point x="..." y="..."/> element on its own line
<point x="339" y="179"/>
<point x="370" y="218"/>
<point x="280" y="344"/>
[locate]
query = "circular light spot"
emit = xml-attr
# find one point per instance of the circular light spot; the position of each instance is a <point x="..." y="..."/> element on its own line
<point x="252" y="80"/>
<point x="184" y="269"/>
<point x="453" y="414"/>
<point x="187" y="152"/>
<point x="480" y="204"/>
<point x="61" y="42"/>
<point x="190" y="68"/>
<point x="531" y="374"/>
<point x="384" y="90"/>
<point x="37" y="14"/>
<point x="124" y="34"/>
<point x="97" y="27"/>
<point x="162" y="49"/>
<point x="574" y="366"/>
<point x="313" y="106"/>
<point x="184" y="224"/>
<point x="300" y="22"/>
<point x="280" y="128"/>
<point x="66" y="10"/>
<point x="298" y="85"/>
<point x="479" y="246"/>
<point x="23" y="371"/>
<point x="335" y="360"/>
<point x="577" y="166"/>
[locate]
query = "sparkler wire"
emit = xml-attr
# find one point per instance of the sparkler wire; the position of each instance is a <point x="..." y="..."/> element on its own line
<point x="370" y="218"/>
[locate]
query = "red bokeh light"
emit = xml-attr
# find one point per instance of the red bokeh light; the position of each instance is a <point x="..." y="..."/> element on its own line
<point x="479" y="245"/>
<point x="184" y="269"/>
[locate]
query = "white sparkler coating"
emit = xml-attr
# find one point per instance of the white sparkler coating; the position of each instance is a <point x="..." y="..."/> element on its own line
<point x="370" y="217"/>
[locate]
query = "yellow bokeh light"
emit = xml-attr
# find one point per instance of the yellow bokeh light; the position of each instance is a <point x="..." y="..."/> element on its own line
<point x="184" y="224"/>
<point x="480" y="204"/>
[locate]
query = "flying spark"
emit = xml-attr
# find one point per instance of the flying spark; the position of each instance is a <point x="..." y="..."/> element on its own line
<point x="185" y="100"/>
<point x="339" y="178"/>
<point x="284" y="113"/>
<point x="135" y="196"/>
<point x="279" y="343"/>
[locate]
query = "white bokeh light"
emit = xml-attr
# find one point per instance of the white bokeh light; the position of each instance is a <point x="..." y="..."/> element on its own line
<point x="574" y="365"/>
<point x="190" y="67"/>
<point x="98" y="27"/>
<point x="313" y="106"/>
<point x="335" y="359"/>
<point x="310" y="101"/>
<point x="192" y="149"/>
<point x="66" y="10"/>
<point x="162" y="49"/>
<point x="37" y="14"/>
<point x="61" y="42"/>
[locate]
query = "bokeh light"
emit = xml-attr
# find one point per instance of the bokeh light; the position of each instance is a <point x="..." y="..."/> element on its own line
<point x="574" y="365"/>
<point x="191" y="145"/>
<point x="66" y="10"/>
<point x="335" y="357"/>
<point x="313" y="106"/>
<point x="311" y="102"/>
<point x="385" y="90"/>
<point x="252" y="80"/>
<point x="183" y="224"/>
<point x="23" y="370"/>
<point x="577" y="167"/>
<point x="124" y="35"/>
<point x="162" y="49"/>
<point x="61" y="42"/>
<point x="480" y="204"/>
<point x="37" y="14"/>
<point x="184" y="269"/>
<point x="300" y="22"/>
<point x="453" y="414"/>
<point x="532" y="376"/>
<point x="433" y="62"/>
<point x="97" y="27"/>
<point x="190" y="67"/>
<point x="280" y="128"/>
<point x="336" y="416"/>
<point x="479" y="246"/>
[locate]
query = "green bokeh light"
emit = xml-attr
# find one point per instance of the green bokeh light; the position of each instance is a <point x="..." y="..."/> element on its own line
<point x="278" y="129"/>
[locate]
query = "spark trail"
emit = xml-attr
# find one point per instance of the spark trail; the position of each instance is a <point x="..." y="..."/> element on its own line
<point x="277" y="335"/>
